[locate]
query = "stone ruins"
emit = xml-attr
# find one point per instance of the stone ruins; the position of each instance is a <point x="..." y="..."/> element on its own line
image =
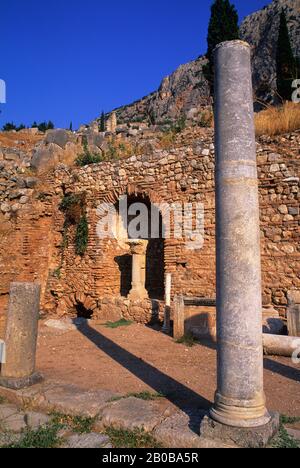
<point x="56" y="262"/>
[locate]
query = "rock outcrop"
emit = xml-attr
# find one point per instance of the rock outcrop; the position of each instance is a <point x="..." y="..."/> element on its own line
<point x="185" y="92"/>
<point x="261" y="31"/>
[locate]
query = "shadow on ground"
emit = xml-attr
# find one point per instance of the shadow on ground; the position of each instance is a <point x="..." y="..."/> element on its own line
<point x="281" y="369"/>
<point x="181" y="396"/>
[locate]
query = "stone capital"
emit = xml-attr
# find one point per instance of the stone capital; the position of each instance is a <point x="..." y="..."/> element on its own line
<point x="138" y="246"/>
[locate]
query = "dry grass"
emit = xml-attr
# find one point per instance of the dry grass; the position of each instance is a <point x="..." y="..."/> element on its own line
<point x="278" y="120"/>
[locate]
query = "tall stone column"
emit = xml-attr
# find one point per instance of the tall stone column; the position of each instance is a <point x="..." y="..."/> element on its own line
<point x="240" y="399"/>
<point x="21" y="336"/>
<point x="138" y="250"/>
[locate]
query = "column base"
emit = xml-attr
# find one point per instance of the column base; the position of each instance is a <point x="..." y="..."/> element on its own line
<point x="19" y="384"/>
<point x="139" y="295"/>
<point x="243" y="437"/>
<point x="240" y="413"/>
<point x="240" y="417"/>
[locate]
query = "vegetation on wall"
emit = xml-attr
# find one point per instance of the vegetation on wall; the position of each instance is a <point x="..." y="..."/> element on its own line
<point x="74" y="208"/>
<point x="87" y="158"/>
<point x="82" y="236"/>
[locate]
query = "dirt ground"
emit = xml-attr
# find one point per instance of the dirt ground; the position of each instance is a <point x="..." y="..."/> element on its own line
<point x="137" y="358"/>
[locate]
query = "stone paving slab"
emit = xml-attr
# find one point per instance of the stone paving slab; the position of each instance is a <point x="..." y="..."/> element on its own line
<point x="295" y="433"/>
<point x="36" y="420"/>
<point x="11" y="419"/>
<point x="132" y="413"/>
<point x="90" y="441"/>
<point x="63" y="398"/>
<point x="181" y="430"/>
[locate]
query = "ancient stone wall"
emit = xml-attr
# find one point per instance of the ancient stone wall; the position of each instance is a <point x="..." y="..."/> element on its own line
<point x="37" y="246"/>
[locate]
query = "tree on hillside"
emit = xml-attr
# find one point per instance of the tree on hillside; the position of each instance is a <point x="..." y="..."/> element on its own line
<point x="223" y="26"/>
<point x="102" y="122"/>
<point x="285" y="61"/>
<point x="9" y="126"/>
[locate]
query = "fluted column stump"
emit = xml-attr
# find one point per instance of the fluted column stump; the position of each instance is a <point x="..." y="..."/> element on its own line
<point x="18" y="371"/>
<point x="240" y="398"/>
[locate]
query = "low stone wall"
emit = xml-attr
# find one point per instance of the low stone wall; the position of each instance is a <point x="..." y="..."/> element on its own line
<point x="112" y="309"/>
<point x="144" y="312"/>
<point x="33" y="245"/>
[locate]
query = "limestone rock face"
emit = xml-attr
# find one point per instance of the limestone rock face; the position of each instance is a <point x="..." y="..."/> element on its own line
<point x="60" y="137"/>
<point x="261" y="31"/>
<point x="186" y="92"/>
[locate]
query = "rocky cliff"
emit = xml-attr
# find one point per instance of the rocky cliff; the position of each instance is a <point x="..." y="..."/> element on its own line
<point x="261" y="31"/>
<point x="186" y="92"/>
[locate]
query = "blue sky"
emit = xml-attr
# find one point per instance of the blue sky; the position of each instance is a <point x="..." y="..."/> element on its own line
<point x="67" y="60"/>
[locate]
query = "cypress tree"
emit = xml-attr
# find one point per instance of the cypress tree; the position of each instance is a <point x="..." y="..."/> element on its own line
<point x="285" y="61"/>
<point x="102" y="122"/>
<point x="223" y="26"/>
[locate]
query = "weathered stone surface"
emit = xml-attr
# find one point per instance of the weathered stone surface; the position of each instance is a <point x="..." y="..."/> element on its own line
<point x="176" y="432"/>
<point x="8" y="410"/>
<point x="133" y="413"/>
<point x="88" y="441"/>
<point x="61" y="325"/>
<point x="240" y="399"/>
<point x="293" y="316"/>
<point x="59" y="137"/>
<point x="11" y="419"/>
<point x="22" y="382"/>
<point x="21" y="331"/>
<point x="46" y="157"/>
<point x="69" y="399"/>
<point x="36" y="420"/>
<point x="281" y="345"/>
<point x="258" y="437"/>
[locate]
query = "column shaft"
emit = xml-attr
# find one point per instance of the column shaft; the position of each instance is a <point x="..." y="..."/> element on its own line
<point x="240" y="399"/>
<point x="21" y="331"/>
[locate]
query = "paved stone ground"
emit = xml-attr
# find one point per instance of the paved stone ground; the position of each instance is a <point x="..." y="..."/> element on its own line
<point x="168" y="426"/>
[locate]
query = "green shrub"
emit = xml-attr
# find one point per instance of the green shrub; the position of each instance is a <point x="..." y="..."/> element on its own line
<point x="119" y="323"/>
<point x="87" y="158"/>
<point x="122" y="438"/>
<point x="187" y="340"/>
<point x="82" y="236"/>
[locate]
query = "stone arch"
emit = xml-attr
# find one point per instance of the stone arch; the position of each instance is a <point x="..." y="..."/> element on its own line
<point x="155" y="262"/>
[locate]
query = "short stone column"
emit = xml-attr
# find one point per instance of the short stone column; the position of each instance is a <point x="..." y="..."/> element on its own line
<point x="167" y="316"/>
<point x="179" y="318"/>
<point x="293" y="313"/>
<point x="18" y="371"/>
<point x="240" y="399"/>
<point x="138" y="249"/>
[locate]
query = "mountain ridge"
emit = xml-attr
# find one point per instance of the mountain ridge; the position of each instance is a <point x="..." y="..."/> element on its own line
<point x="185" y="92"/>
